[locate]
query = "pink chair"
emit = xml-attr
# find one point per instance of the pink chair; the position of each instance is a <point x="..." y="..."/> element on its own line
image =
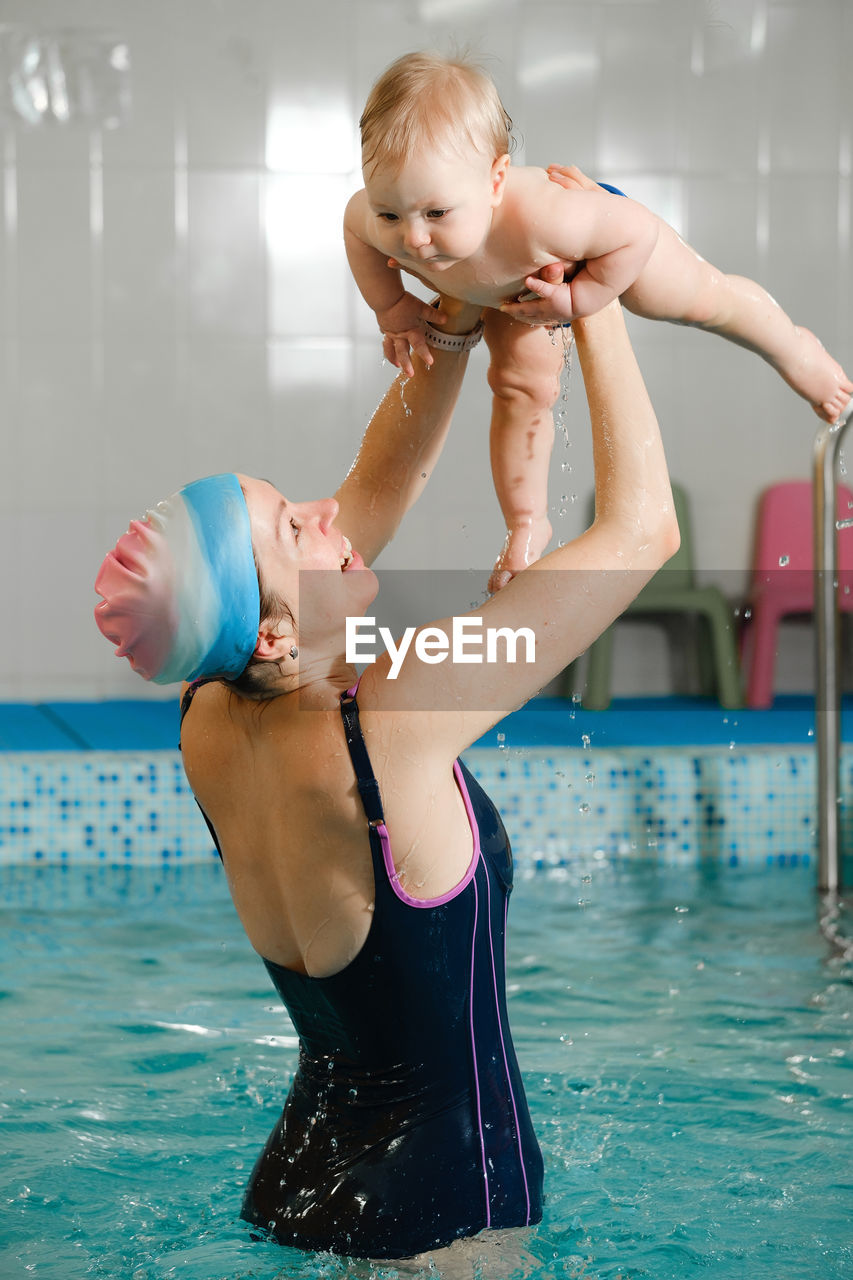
<point x="782" y="581"/>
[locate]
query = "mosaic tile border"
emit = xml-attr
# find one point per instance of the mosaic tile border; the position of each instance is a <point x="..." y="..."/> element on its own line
<point x="558" y="805"/>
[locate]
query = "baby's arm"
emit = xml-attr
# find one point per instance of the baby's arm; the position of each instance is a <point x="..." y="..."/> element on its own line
<point x="606" y="276"/>
<point x="611" y="236"/>
<point x="400" y="314"/>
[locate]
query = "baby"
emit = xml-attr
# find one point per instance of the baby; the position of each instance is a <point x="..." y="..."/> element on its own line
<point x="442" y="202"/>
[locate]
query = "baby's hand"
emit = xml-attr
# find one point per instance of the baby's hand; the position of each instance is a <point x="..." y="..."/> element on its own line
<point x="403" y="329"/>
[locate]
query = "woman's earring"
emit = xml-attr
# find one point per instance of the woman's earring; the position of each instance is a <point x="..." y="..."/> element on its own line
<point x="294" y="652"/>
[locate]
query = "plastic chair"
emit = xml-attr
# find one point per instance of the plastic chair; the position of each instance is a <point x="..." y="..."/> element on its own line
<point x="668" y="597"/>
<point x="782" y="580"/>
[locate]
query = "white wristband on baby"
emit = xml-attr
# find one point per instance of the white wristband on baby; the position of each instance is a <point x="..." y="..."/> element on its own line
<point x="453" y="341"/>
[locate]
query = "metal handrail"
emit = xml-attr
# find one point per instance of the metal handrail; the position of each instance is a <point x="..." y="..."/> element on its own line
<point x="827" y="629"/>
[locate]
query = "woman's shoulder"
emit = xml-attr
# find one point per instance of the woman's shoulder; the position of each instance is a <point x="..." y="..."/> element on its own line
<point x="221" y="719"/>
<point x="237" y="752"/>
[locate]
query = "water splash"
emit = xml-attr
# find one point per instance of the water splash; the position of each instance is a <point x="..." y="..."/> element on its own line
<point x="568" y="342"/>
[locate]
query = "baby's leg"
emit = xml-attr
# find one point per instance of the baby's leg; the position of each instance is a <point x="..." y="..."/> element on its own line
<point x="524" y="376"/>
<point x="679" y="286"/>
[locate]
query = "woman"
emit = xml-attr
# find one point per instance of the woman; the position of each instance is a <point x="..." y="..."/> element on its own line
<point x="368" y="868"/>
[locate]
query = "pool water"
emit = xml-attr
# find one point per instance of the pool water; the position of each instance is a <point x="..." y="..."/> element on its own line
<point x="684" y="1032"/>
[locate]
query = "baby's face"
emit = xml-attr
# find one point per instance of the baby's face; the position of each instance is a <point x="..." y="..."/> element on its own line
<point x="437" y="209"/>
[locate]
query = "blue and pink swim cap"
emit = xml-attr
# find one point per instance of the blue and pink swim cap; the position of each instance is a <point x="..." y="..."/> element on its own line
<point x="180" y="589"/>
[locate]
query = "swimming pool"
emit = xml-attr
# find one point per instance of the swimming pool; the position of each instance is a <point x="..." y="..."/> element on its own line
<point x="684" y="1031"/>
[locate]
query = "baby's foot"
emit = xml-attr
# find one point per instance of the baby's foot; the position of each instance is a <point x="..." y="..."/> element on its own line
<point x="814" y="374"/>
<point x="524" y="544"/>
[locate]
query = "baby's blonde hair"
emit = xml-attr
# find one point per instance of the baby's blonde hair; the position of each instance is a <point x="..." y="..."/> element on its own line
<point x="425" y="98"/>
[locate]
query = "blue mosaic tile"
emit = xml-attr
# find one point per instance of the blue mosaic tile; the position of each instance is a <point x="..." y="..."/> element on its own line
<point x="678" y="804"/>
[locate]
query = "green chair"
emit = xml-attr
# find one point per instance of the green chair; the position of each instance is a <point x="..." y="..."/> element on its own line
<point x="668" y="598"/>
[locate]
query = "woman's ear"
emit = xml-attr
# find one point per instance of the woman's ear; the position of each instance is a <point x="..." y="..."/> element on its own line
<point x="273" y="643"/>
<point x="500" y="168"/>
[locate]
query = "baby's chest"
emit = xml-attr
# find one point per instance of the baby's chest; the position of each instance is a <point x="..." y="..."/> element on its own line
<point x="488" y="283"/>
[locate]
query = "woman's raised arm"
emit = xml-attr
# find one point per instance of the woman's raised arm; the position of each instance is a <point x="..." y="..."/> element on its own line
<point x="402" y="442"/>
<point x="569" y="597"/>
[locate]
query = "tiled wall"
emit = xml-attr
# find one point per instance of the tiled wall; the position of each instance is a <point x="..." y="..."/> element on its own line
<point x="174" y="298"/>
<point x="558" y="805"/>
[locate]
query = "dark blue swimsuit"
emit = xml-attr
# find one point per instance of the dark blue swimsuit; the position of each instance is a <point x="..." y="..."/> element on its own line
<point x="406" y="1126"/>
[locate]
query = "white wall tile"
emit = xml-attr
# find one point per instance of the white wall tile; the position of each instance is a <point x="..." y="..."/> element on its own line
<point x="559" y="66"/>
<point x="646" y="52"/>
<point x="222" y="81"/>
<point x="159" y="63"/>
<point x="803" y="67"/>
<point x="65" y="75"/>
<point x="802" y="250"/>
<point x="226" y="423"/>
<point x="309" y="280"/>
<point x="8" y="251"/>
<point x="52" y="147"/>
<point x="64" y="563"/>
<point x="55" y="253"/>
<point x="227" y="286"/>
<point x="17" y="560"/>
<point x="312" y="114"/>
<point x="314" y="429"/>
<point x="56" y="428"/>
<point x="723" y="95"/>
<point x="10" y="484"/>
<point x="142" y="275"/>
<point x="143" y="449"/>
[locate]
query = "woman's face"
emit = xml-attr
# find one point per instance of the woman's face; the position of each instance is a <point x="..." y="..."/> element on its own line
<point x="305" y="560"/>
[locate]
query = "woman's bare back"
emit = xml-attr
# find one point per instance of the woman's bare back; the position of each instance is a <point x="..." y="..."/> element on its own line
<point x="293" y="832"/>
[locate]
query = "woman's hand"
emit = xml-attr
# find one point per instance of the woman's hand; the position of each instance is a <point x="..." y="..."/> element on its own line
<point x="549" y="301"/>
<point x="571" y="176"/>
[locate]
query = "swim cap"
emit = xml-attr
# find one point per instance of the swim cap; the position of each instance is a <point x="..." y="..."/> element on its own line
<point x="180" y="590"/>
